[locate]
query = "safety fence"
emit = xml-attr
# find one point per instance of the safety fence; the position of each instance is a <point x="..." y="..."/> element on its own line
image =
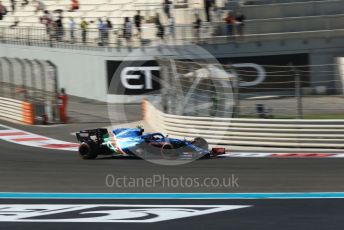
<point x="259" y="31"/>
<point x="251" y="90"/>
<point x="28" y="90"/>
<point x="77" y="38"/>
<point x="278" y="134"/>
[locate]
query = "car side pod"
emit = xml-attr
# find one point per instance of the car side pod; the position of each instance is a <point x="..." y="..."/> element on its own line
<point x="218" y="151"/>
<point x="168" y="152"/>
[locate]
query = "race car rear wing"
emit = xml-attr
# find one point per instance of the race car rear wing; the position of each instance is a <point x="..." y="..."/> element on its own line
<point x="91" y="134"/>
<point x="218" y="151"/>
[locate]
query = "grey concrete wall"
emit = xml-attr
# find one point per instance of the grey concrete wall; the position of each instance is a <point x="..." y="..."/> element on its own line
<point x="280" y="25"/>
<point x="295" y="9"/>
<point x="81" y="73"/>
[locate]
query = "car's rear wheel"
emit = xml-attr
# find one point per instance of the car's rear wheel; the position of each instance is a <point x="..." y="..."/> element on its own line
<point x="88" y="150"/>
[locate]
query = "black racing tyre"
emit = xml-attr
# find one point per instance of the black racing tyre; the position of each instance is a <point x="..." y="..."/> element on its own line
<point x="88" y="150"/>
<point x="201" y="143"/>
<point x="168" y="152"/>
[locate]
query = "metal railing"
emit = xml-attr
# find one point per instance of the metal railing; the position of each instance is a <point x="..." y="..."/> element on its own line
<point x="183" y="34"/>
<point x="193" y="88"/>
<point x="93" y="37"/>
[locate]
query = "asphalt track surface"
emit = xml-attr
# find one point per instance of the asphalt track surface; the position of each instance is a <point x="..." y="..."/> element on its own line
<point x="29" y="169"/>
<point x="261" y="215"/>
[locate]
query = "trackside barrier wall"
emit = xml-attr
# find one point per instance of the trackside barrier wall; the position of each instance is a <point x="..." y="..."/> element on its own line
<point x="16" y="110"/>
<point x="229" y="132"/>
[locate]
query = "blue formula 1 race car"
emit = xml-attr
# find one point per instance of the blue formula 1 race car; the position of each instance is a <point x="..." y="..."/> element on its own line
<point x="134" y="142"/>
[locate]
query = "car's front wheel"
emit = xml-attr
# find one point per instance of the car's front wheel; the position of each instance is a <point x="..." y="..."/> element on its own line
<point x="201" y="143"/>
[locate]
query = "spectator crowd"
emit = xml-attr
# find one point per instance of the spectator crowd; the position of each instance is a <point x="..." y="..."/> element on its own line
<point x="131" y="27"/>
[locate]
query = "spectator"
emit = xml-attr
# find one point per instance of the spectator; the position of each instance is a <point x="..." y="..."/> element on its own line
<point x="72" y="27"/>
<point x="25" y="2"/>
<point x="214" y="5"/>
<point x="167" y="4"/>
<point x="13" y="6"/>
<point x="39" y="6"/>
<point x="74" y="5"/>
<point x="230" y="21"/>
<point x="216" y="11"/>
<point x="207" y="6"/>
<point x="109" y="24"/>
<point x="15" y="23"/>
<point x="137" y="21"/>
<point x="240" y="19"/>
<point x="171" y="25"/>
<point x="109" y="27"/>
<point x="47" y="20"/>
<point x="127" y="30"/>
<point x="160" y="27"/>
<point x="84" y="26"/>
<point x="3" y="11"/>
<point x="197" y="26"/>
<point x="59" y="28"/>
<point x="102" y="30"/>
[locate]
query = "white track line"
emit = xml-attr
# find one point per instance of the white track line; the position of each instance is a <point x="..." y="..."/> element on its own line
<point x="21" y="137"/>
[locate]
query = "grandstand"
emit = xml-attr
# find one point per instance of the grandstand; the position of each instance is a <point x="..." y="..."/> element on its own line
<point x="292" y="16"/>
<point x="115" y="10"/>
<point x="29" y="26"/>
<point x="264" y="17"/>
